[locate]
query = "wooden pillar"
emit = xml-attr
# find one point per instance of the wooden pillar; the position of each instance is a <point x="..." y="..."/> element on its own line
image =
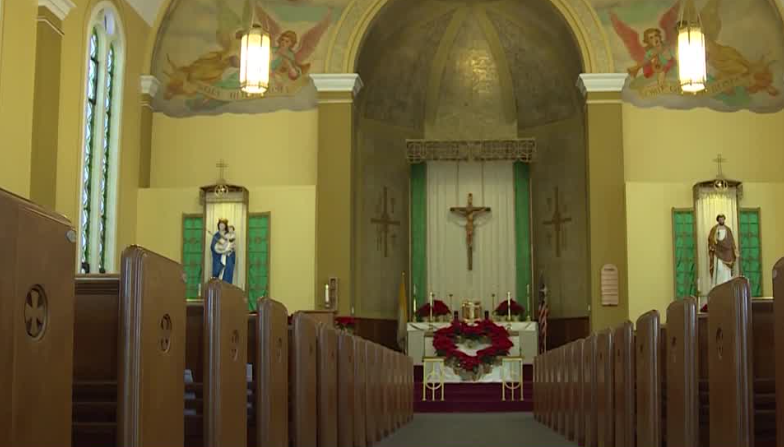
<point x="150" y="86"/>
<point x="46" y="101"/>
<point x="335" y="186"/>
<point x="606" y="192"/>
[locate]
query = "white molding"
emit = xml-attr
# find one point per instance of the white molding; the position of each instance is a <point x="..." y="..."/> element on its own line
<point x="337" y="82"/>
<point x="59" y="8"/>
<point x="150" y="85"/>
<point x="601" y="82"/>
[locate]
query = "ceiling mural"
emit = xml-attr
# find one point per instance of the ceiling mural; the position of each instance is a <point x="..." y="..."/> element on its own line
<point x="745" y="53"/>
<point x="197" y="54"/>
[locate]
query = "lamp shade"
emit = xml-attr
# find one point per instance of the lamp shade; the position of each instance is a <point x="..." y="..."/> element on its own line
<point x="255" y="61"/>
<point x="692" y="67"/>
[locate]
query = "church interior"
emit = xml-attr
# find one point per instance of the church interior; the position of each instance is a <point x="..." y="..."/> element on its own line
<point x="392" y="222"/>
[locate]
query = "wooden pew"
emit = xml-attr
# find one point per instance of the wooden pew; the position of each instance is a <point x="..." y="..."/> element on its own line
<point x="371" y="399"/>
<point x="578" y="392"/>
<point x="648" y="378"/>
<point x="271" y="401"/>
<point x="624" y="382"/>
<point x="741" y="380"/>
<point x="129" y="354"/>
<point x="346" y="389"/>
<point x="303" y="386"/>
<point x="778" y="304"/>
<point x="216" y="355"/>
<point x="327" y="367"/>
<point x="590" y="392"/>
<point x="36" y="324"/>
<point x="558" y="360"/>
<point x="360" y="394"/>
<point x="605" y="414"/>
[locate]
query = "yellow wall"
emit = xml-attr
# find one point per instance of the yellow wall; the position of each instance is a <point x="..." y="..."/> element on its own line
<point x="273" y="155"/>
<point x="72" y="91"/>
<point x="17" y="76"/>
<point x="293" y="222"/>
<point x="277" y="148"/>
<point x="665" y="153"/>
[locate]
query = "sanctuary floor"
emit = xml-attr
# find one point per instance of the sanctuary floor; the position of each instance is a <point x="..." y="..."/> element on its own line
<point x="475" y="430"/>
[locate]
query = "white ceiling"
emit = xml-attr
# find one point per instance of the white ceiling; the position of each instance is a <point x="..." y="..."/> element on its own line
<point x="148" y="9"/>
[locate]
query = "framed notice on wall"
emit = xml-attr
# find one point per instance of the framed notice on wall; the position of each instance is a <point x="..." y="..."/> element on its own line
<point x="609" y="285"/>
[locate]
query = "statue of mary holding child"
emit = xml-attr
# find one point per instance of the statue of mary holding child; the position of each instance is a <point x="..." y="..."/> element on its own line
<point x="224" y="255"/>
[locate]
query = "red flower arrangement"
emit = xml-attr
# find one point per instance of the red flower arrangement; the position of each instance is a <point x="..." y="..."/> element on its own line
<point x="445" y="342"/>
<point x="504" y="308"/>
<point x="439" y="308"/>
<point x="345" y="323"/>
<point x="704" y="308"/>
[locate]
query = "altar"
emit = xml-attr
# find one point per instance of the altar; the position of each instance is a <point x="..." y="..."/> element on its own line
<point x="523" y="335"/>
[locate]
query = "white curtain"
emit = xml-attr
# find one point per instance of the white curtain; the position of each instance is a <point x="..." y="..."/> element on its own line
<point x="237" y="214"/>
<point x="709" y="205"/>
<point x="448" y="185"/>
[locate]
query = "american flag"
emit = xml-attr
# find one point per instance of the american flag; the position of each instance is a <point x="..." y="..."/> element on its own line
<point x="544" y="311"/>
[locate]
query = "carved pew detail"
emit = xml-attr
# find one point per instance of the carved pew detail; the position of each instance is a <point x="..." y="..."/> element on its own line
<point x="36" y="323"/>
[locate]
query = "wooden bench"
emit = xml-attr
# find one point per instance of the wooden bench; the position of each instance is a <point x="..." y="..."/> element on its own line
<point x="778" y="304"/>
<point x="36" y="324"/>
<point x="327" y="373"/>
<point x="648" y="378"/>
<point x="129" y="354"/>
<point x="303" y="397"/>
<point x="605" y="414"/>
<point x="216" y="334"/>
<point x="360" y="394"/>
<point x="624" y="384"/>
<point x="347" y="385"/>
<point x="590" y="391"/>
<point x="271" y="375"/>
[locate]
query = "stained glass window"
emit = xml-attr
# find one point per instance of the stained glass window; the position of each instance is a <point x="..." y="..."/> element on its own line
<point x="684" y="253"/>
<point x="99" y="151"/>
<point x="751" y="248"/>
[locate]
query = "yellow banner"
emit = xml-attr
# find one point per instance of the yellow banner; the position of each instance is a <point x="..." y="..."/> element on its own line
<point x="219" y="94"/>
<point x="713" y="87"/>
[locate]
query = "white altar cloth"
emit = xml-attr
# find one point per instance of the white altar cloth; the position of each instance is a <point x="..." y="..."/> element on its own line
<point x="525" y="343"/>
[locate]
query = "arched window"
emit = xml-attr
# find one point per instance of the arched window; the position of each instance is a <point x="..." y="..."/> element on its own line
<point x="100" y="145"/>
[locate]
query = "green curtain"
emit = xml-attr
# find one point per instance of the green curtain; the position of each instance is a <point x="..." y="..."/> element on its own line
<point x="684" y="253"/>
<point x="419" y="231"/>
<point x="522" y="183"/>
<point x="192" y="254"/>
<point x="258" y="257"/>
<point x="751" y="249"/>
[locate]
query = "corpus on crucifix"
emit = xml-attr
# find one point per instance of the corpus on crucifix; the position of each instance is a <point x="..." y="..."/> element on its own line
<point x="470" y="212"/>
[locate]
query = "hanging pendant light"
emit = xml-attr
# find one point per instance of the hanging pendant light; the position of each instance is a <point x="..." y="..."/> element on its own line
<point x="255" y="58"/>
<point x="692" y="66"/>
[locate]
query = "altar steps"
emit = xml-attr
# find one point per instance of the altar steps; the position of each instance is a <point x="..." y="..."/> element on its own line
<point x="473" y="397"/>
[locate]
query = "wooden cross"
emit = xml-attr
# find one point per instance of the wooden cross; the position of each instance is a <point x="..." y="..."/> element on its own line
<point x="470" y="212"/>
<point x="719" y="160"/>
<point x="383" y="224"/>
<point x="221" y="165"/>
<point x="557" y="222"/>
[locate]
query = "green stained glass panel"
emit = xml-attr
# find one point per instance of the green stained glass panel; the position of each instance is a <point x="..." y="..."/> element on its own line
<point x="684" y="252"/>
<point x="258" y="258"/>
<point x="751" y="249"/>
<point x="193" y="253"/>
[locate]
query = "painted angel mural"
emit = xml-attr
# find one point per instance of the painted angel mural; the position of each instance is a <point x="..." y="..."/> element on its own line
<point x="654" y="53"/>
<point x="290" y="53"/>
<point x="733" y="78"/>
<point x="212" y="79"/>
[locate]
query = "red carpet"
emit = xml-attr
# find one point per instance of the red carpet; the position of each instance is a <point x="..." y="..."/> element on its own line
<point x="473" y="397"/>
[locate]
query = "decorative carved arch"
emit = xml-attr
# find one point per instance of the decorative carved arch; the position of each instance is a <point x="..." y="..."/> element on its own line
<point x="359" y="15"/>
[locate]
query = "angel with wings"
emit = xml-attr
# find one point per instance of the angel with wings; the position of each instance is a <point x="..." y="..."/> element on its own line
<point x="290" y="53"/>
<point x="654" y="53"/>
<point x="210" y="68"/>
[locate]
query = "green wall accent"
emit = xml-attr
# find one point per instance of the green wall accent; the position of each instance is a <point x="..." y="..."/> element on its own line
<point x="419" y="231"/>
<point x="684" y="253"/>
<point x="258" y="258"/>
<point x="522" y="185"/>
<point x="750" y="249"/>
<point x="192" y="253"/>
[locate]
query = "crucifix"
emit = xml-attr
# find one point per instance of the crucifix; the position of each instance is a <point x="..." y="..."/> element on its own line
<point x="470" y="212"/>
<point x="557" y="222"/>
<point x="719" y="160"/>
<point x="384" y="222"/>
<point x="221" y="165"/>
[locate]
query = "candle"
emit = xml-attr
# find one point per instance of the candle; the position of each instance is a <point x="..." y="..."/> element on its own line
<point x="492" y="299"/>
<point x="431" y="306"/>
<point x="326" y="295"/>
<point x="509" y="304"/>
